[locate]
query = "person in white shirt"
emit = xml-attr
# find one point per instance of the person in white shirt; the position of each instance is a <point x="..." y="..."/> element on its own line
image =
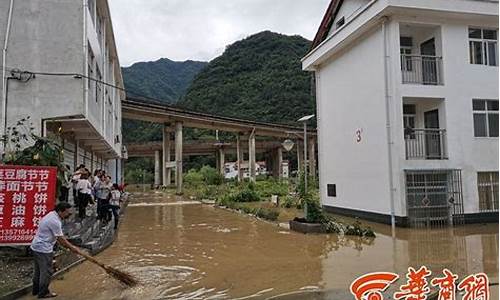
<point x="66" y="185"/>
<point x="84" y="189"/>
<point x="114" y="203"/>
<point x="48" y="233"/>
<point x="103" y="193"/>
<point x="74" y="181"/>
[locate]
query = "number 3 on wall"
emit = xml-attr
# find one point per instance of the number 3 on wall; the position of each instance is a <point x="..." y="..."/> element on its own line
<point x="359" y="131"/>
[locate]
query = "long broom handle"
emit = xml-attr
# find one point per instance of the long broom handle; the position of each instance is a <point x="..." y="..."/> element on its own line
<point x="88" y="257"/>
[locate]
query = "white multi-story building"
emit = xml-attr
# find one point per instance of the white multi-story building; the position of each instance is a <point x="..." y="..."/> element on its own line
<point x="50" y="50"/>
<point x="407" y="100"/>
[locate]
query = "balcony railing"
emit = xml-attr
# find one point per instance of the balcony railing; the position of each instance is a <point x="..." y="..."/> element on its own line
<point x="421" y="69"/>
<point x="425" y="143"/>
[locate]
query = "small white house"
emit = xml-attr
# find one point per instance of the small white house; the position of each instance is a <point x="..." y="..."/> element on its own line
<point x="407" y="110"/>
<point x="231" y="169"/>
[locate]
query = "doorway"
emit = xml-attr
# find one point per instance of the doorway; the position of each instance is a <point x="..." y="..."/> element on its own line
<point x="432" y="134"/>
<point x="429" y="67"/>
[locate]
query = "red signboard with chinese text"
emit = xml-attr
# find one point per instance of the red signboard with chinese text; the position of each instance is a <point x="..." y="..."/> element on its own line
<point x="27" y="193"/>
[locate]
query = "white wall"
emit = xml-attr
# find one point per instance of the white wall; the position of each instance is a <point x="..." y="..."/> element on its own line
<point x="350" y="97"/>
<point x="39" y="42"/>
<point x="48" y="36"/>
<point x="346" y="78"/>
<point x="348" y="8"/>
<point x="462" y="83"/>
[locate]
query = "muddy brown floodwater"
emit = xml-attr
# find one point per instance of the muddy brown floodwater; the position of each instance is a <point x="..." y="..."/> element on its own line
<point x="183" y="250"/>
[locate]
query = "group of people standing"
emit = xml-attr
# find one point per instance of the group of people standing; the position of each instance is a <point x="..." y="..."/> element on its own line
<point x="91" y="189"/>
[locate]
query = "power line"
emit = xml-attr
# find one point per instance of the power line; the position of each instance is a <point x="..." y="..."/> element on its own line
<point x="78" y="75"/>
<point x="32" y="74"/>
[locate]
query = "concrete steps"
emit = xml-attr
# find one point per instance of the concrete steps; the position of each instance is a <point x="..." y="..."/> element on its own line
<point x="101" y="238"/>
<point x="89" y="233"/>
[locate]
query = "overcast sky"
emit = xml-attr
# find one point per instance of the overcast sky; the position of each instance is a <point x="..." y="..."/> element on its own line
<point x="147" y="30"/>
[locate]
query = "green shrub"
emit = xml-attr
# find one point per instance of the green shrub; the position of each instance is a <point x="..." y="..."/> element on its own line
<point x="312" y="184"/>
<point x="290" y="201"/>
<point x="138" y="176"/>
<point x="246" y="195"/>
<point x="193" y="177"/>
<point x="225" y="200"/>
<point x="261" y="212"/>
<point x="314" y="210"/>
<point x="212" y="192"/>
<point x="315" y="214"/>
<point x="356" y="229"/>
<point x="261" y="177"/>
<point x="268" y="213"/>
<point x="247" y="209"/>
<point x="271" y="187"/>
<point x="211" y="176"/>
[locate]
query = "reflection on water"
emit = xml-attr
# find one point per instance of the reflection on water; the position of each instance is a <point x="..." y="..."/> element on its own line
<point x="193" y="251"/>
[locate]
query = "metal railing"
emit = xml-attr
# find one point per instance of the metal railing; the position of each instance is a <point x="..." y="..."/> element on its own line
<point x="425" y="143"/>
<point x="421" y="69"/>
<point x="434" y="198"/>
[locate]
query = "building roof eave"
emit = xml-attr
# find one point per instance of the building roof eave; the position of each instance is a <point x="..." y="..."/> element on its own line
<point x="353" y="27"/>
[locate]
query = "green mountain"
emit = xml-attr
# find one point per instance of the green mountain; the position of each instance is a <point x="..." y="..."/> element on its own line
<point x="163" y="79"/>
<point x="258" y="78"/>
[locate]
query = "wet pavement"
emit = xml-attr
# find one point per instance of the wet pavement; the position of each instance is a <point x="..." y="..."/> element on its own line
<point x="184" y="250"/>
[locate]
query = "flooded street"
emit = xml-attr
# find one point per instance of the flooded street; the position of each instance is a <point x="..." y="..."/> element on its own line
<point x="193" y="251"/>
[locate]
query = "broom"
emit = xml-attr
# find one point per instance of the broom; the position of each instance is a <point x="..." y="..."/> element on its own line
<point x="123" y="277"/>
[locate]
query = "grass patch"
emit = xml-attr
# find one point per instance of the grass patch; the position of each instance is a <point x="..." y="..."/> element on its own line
<point x="266" y="213"/>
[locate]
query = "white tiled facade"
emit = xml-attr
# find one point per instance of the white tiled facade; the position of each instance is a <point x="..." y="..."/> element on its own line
<point x="66" y="37"/>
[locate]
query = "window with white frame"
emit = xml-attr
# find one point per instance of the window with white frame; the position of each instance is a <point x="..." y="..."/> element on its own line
<point x="487" y="186"/>
<point x="483" y="46"/>
<point x="409" y="115"/>
<point x="405" y="45"/>
<point x="485" y="117"/>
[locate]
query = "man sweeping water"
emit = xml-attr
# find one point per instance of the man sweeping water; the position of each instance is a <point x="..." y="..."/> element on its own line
<point x="49" y="232"/>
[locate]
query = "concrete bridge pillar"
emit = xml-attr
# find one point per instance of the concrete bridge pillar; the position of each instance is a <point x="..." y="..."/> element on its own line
<point x="221" y="161"/>
<point x="239" y="157"/>
<point x="251" y="156"/>
<point x="178" y="157"/>
<point x="273" y="163"/>
<point x="312" y="157"/>
<point x="279" y="162"/>
<point x="157" y="168"/>
<point x="300" y="157"/>
<point x="167" y="172"/>
<point x="217" y="161"/>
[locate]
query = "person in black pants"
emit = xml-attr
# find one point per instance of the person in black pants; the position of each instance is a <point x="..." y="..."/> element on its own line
<point x="74" y="182"/>
<point x="48" y="233"/>
<point x="84" y="194"/>
<point x="65" y="186"/>
<point x="103" y="192"/>
<point x="114" y="203"/>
